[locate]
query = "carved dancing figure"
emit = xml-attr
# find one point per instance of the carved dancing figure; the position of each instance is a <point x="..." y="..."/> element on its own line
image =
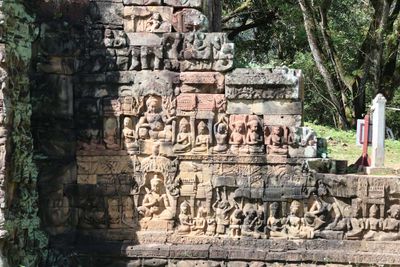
<point x="236" y="222"/>
<point x="222" y="209"/>
<point x="221" y="134"/>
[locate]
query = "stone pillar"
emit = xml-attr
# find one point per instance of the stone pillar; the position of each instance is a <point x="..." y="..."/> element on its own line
<point x="378" y="138"/>
<point x="378" y="132"/>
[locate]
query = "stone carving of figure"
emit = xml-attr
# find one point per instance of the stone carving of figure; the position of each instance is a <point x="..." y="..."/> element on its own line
<point x="237" y="138"/>
<point x="274" y="224"/>
<point x="58" y="212"/>
<point x="185" y="219"/>
<point x="373" y="224"/>
<point x="295" y="227"/>
<point x="221" y="134"/>
<point x="93" y="213"/>
<point x="154" y="22"/>
<point x="184" y="138"/>
<point x="236" y="222"/>
<point x="203" y="138"/>
<point x="391" y="225"/>
<point x="200" y="222"/>
<point x="275" y="142"/>
<point x="151" y="124"/>
<point x="253" y="138"/>
<point x="249" y="223"/>
<point x="129" y="136"/>
<point x="355" y="225"/>
<point x="222" y="209"/>
<point x="108" y="38"/>
<point x="211" y="226"/>
<point x="155" y="204"/>
<point x="110" y="134"/>
<point x="113" y="212"/>
<point x="128" y="211"/>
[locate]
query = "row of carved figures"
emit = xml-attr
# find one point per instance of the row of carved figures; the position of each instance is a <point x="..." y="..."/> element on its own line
<point x="250" y="223"/>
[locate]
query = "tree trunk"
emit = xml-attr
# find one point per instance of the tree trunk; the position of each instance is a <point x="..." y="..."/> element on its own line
<point x="319" y="59"/>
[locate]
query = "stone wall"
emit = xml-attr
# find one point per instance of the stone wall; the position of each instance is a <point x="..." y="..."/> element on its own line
<point x="151" y="148"/>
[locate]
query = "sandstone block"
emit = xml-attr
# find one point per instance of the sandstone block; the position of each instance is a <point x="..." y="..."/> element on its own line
<point x="264" y="84"/>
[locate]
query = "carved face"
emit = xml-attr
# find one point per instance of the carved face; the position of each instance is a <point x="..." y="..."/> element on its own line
<point x="127" y="122"/>
<point x="373" y="211"/>
<point x="152" y="107"/>
<point x="221" y="128"/>
<point x="295" y="208"/>
<point x="155" y="185"/>
<point x="184" y="209"/>
<point x="276" y="131"/>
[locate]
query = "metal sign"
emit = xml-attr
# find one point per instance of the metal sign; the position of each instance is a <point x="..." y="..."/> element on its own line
<point x="360" y="132"/>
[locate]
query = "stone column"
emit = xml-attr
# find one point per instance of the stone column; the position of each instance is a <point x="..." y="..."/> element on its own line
<point x="378" y="132"/>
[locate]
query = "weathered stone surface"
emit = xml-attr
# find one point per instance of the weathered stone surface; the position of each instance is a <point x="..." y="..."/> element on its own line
<point x="144" y="39"/>
<point x="269" y="84"/>
<point x="202" y="82"/>
<point x="283" y="120"/>
<point x="142" y="2"/>
<point x="184" y="3"/>
<point x="155" y="19"/>
<point x="268" y="107"/>
<point x="106" y="12"/>
<point x="190" y="20"/>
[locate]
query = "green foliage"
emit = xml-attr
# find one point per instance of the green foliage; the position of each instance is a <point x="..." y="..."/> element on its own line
<point x="342" y="145"/>
<point x="26" y="244"/>
<point x="393" y="116"/>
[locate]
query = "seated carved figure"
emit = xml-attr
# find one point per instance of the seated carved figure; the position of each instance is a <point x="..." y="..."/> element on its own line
<point x="151" y="123"/>
<point x="353" y="223"/>
<point x="373" y="224"/>
<point x="200" y="222"/>
<point x="185" y="219"/>
<point x="184" y="138"/>
<point x="249" y="223"/>
<point x="391" y="225"/>
<point x="294" y="226"/>
<point x="253" y="138"/>
<point x="129" y="136"/>
<point x="275" y="142"/>
<point x="274" y="224"/>
<point x="110" y="134"/>
<point x="221" y="134"/>
<point x="203" y="139"/>
<point x="237" y="138"/>
<point x="155" y="204"/>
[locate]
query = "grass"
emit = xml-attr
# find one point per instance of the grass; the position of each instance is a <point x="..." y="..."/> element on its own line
<point x="342" y="146"/>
